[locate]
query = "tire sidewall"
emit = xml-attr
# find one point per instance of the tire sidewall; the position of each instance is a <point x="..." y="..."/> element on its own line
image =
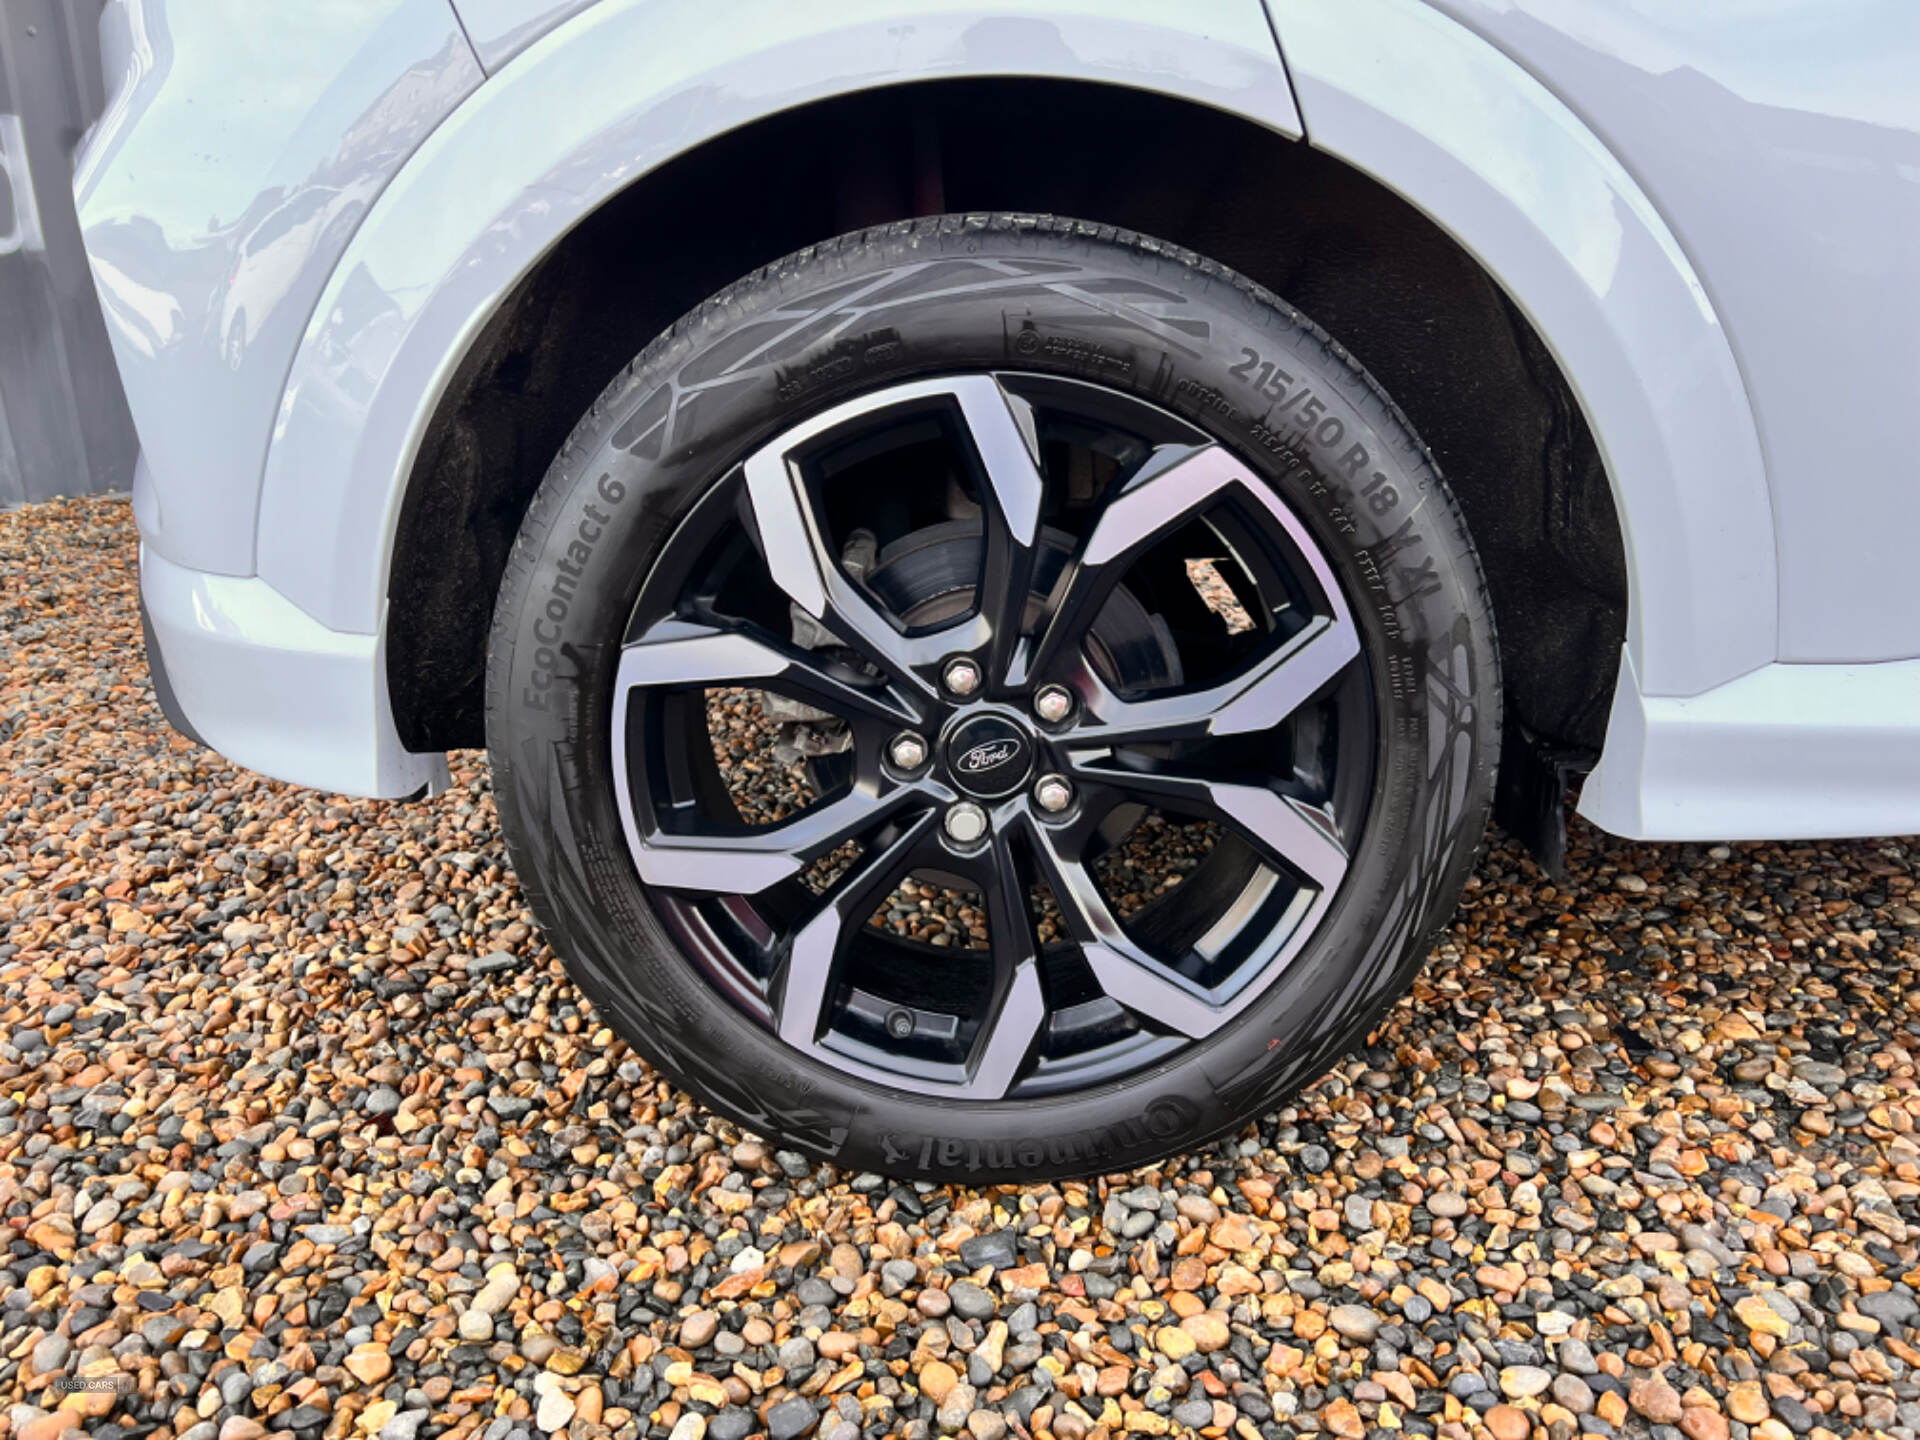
<point x="977" y="294"/>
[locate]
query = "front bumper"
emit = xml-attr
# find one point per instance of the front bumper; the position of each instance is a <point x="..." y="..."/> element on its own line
<point x="1802" y="752"/>
<point x="163" y="683"/>
<point x="243" y="670"/>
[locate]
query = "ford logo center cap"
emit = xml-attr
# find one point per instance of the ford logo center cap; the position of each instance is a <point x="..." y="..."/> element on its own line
<point x="989" y="756"/>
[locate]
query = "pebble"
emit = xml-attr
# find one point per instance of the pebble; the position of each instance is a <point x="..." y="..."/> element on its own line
<point x="970" y="1302"/>
<point x="1522" y="1382"/>
<point x="369" y="1363"/>
<point x="556" y="1409"/>
<point x="1894" y="1311"/>
<point x="495" y="962"/>
<point x="1355" y="1322"/>
<point x="1209" y="1331"/>
<point x="502" y="1284"/>
<point x="937" y="1379"/>
<point x="1576" y="1358"/>
<point x="954" y="1411"/>
<point x="993" y="1251"/>
<point x="476" y="1326"/>
<point x="50" y="1355"/>
<point x="1194" y="1413"/>
<point x="1572" y="1393"/>
<point x="791" y="1418"/>
<point x="299" y="1114"/>
<point x="1654" y="1398"/>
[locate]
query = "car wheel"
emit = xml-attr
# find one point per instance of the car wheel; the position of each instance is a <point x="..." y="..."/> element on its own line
<point x="992" y="697"/>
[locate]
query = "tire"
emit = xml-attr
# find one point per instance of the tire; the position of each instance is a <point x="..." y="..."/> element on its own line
<point x="1020" y="296"/>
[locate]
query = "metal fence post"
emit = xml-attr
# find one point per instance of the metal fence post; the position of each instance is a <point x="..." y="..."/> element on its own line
<point x="64" y="426"/>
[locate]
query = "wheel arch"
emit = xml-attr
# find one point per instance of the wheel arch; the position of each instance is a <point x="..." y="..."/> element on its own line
<point x="1469" y="137"/>
<point x="593" y="106"/>
<point x="433" y="282"/>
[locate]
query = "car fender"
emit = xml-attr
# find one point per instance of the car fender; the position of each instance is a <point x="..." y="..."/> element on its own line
<point x="498" y="30"/>
<point x="1449" y="122"/>
<point x="240" y="147"/>
<point x="613" y="92"/>
<point x="1391" y="86"/>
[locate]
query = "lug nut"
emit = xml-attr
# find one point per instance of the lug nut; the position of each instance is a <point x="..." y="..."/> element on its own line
<point x="1052" y="793"/>
<point x="962" y="676"/>
<point x="966" y="823"/>
<point x="1053" y="703"/>
<point x="907" y="751"/>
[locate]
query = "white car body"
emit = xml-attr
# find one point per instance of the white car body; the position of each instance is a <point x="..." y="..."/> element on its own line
<point x="1749" y="397"/>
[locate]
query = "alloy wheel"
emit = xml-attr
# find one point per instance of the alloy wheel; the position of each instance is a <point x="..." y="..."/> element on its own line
<point x="1012" y="624"/>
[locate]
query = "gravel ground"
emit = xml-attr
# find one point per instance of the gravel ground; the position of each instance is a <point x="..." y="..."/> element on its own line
<point x="303" y="1131"/>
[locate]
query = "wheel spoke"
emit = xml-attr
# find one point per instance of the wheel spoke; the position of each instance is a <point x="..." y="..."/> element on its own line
<point x="800" y="559"/>
<point x="1002" y="430"/>
<point x="675" y="653"/>
<point x="800" y="564"/>
<point x="745" y="862"/>
<point x="806" y="982"/>
<point x="1007" y="1035"/>
<point x="1283" y="829"/>
<point x="1174" y="483"/>
<point x="1001" y="426"/>
<point x="1018" y="1006"/>
<point x="1125" y="971"/>
<point x="1257" y="699"/>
